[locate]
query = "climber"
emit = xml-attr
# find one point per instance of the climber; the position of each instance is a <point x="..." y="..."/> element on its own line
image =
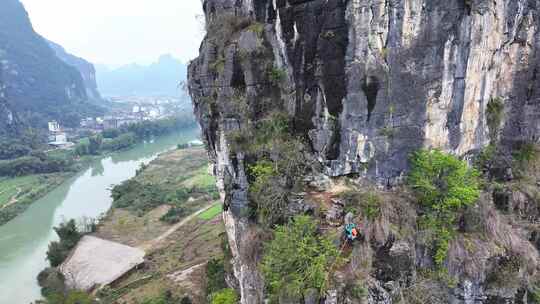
<point x="351" y="232"/>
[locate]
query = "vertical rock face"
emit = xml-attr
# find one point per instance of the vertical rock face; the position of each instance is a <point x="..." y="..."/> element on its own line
<point x="87" y="70"/>
<point x="9" y="123"/>
<point x="367" y="82"/>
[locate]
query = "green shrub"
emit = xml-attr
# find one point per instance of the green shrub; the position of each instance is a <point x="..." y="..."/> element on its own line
<point x="215" y="275"/>
<point x="328" y="34"/>
<point x="485" y="158"/>
<point x="174" y="215"/>
<point x="225" y="296"/>
<point x="82" y="148"/>
<point x="227" y="253"/>
<point x="238" y="141"/>
<point x="534" y="294"/>
<point x="266" y="133"/>
<point x="70" y="297"/>
<point x="134" y="195"/>
<point x="166" y="297"/>
<point x="186" y="300"/>
<point x="261" y="170"/>
<point x="365" y="203"/>
<point x="51" y="281"/>
<point x="525" y="154"/>
<point x="13" y="148"/>
<point x="297" y="259"/>
<point x="218" y="65"/>
<point x="444" y="185"/>
<point x="505" y="272"/>
<point x="277" y="125"/>
<point x="494" y="116"/>
<point x="441" y="180"/>
<point x="525" y="160"/>
<point x="124" y="141"/>
<point x="79" y="297"/>
<point x="273" y="181"/>
<point x="182" y="194"/>
<point x="357" y="290"/>
<point x="69" y="237"/>
<point x="276" y="76"/>
<point x="95" y="143"/>
<point x="256" y="27"/>
<point x="142" y="167"/>
<point x="388" y="132"/>
<point x="223" y="27"/>
<point x="239" y="105"/>
<point x="267" y="191"/>
<point x="275" y="162"/>
<point x="110" y="133"/>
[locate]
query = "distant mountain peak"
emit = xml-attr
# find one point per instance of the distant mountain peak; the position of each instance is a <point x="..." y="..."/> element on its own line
<point x="167" y="57"/>
<point x="159" y="78"/>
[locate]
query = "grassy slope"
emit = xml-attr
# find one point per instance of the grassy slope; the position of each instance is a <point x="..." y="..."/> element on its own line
<point x="179" y="168"/>
<point x="212" y="212"/>
<point x="192" y="244"/>
<point x="16" y="194"/>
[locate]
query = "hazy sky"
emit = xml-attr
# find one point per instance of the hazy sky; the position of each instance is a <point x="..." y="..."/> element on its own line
<point x="117" y="32"/>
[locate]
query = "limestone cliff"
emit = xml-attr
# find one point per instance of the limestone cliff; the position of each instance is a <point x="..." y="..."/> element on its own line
<point x="87" y="70"/>
<point x="367" y="82"/>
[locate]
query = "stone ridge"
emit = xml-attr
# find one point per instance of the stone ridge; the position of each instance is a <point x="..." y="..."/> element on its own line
<point x="367" y="82"/>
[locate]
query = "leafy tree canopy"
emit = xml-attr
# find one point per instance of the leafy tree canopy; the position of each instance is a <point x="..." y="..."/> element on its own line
<point x="444" y="185"/>
<point x="298" y="258"/>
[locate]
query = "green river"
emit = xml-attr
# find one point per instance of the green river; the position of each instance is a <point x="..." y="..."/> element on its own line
<point x="24" y="240"/>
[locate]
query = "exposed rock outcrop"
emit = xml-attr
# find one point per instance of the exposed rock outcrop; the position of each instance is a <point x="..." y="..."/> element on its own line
<point x="367" y="82"/>
<point x="87" y="70"/>
<point x="9" y="123"/>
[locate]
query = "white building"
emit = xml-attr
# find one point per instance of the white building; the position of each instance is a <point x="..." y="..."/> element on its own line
<point x="88" y="122"/>
<point x="59" y="140"/>
<point x="54" y="126"/>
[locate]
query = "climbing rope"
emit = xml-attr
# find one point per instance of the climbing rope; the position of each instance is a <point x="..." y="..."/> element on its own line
<point x="333" y="265"/>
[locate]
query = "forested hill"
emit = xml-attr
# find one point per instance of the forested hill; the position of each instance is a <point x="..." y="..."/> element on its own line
<point x="36" y="85"/>
<point x="159" y="78"/>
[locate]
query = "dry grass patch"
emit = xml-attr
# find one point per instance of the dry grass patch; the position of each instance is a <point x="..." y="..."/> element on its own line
<point x="191" y="245"/>
<point x="124" y="227"/>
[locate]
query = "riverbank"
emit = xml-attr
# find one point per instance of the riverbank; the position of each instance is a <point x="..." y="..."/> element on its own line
<point x="18" y="193"/>
<point x="180" y="233"/>
<point x="24" y="240"/>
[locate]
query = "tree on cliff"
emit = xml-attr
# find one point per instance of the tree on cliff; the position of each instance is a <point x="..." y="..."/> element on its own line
<point x="298" y="258"/>
<point x="444" y="185"/>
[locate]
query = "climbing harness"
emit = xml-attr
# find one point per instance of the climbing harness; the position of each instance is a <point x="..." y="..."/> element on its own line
<point x="351" y="232"/>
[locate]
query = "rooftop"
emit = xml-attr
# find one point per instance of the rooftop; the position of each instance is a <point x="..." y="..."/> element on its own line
<point x="97" y="262"/>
